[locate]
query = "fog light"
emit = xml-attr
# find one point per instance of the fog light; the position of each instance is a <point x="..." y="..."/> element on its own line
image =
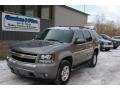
<point x="46" y="75"/>
<point x="8" y="57"/>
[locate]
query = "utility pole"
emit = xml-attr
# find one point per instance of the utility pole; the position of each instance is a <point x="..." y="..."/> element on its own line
<point x="84" y="8"/>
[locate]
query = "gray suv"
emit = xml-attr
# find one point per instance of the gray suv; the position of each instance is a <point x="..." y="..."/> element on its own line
<point x="54" y="53"/>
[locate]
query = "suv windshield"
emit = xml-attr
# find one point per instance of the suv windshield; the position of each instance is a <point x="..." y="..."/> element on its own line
<point x="64" y="36"/>
<point x="100" y="37"/>
<point x="106" y="37"/>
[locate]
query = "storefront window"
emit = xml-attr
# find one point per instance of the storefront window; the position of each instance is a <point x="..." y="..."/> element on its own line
<point x="45" y="12"/>
<point x="13" y="8"/>
<point x="31" y="10"/>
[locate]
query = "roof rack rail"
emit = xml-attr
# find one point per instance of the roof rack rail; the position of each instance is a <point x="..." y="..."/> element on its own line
<point x="80" y="27"/>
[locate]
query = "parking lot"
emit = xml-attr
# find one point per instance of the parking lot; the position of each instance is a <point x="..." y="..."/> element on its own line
<point x="107" y="72"/>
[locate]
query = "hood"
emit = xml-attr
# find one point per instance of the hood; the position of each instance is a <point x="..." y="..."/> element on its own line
<point x="104" y="40"/>
<point x="37" y="46"/>
<point x="116" y="39"/>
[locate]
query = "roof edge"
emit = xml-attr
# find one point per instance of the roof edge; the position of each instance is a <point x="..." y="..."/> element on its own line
<point x="73" y="9"/>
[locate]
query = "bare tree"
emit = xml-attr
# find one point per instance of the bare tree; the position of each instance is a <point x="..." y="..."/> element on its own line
<point x="107" y="27"/>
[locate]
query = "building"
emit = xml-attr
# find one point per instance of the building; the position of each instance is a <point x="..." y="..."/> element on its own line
<point x="36" y="18"/>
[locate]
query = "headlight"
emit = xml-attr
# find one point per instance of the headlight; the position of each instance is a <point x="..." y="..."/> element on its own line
<point x="47" y="58"/>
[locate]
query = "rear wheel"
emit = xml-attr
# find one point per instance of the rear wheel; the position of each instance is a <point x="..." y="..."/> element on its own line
<point x="63" y="73"/>
<point x="92" y="62"/>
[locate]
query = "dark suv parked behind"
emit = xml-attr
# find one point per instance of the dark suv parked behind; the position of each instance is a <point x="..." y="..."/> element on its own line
<point x="115" y="42"/>
<point x="54" y="53"/>
<point x="105" y="44"/>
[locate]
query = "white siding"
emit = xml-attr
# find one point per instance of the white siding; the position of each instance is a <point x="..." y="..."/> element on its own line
<point x="66" y="17"/>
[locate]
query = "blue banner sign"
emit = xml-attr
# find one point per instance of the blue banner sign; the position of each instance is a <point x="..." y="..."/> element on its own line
<point x="12" y="22"/>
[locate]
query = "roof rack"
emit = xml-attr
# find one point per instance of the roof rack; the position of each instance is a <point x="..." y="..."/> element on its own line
<point x="78" y="27"/>
<point x="69" y="27"/>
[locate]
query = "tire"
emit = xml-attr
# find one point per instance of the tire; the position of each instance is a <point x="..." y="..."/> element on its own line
<point x="93" y="61"/>
<point x="107" y="49"/>
<point x="64" y="72"/>
<point x="101" y="49"/>
<point x="115" y="47"/>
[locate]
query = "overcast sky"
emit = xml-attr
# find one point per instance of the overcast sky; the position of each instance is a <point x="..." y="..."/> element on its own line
<point x="109" y="12"/>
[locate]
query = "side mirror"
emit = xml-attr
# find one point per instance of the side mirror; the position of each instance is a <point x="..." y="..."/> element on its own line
<point x="79" y="41"/>
<point x="36" y="37"/>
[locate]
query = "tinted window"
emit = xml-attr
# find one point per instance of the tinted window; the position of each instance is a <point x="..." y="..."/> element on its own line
<point x="96" y="35"/>
<point x="87" y="35"/>
<point x="106" y="37"/>
<point x="100" y="37"/>
<point x="41" y="35"/>
<point x="79" y="35"/>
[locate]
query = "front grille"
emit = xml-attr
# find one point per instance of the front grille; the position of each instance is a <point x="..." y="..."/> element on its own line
<point x="23" y="59"/>
<point x="23" y="56"/>
<point x="109" y="43"/>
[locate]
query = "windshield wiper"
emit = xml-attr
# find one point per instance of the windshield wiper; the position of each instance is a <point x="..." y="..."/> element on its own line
<point x="53" y="40"/>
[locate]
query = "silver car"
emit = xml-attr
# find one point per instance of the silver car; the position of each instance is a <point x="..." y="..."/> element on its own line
<point x="54" y="53"/>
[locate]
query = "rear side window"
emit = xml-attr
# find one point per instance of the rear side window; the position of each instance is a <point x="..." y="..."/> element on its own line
<point x="79" y="34"/>
<point x="88" y="36"/>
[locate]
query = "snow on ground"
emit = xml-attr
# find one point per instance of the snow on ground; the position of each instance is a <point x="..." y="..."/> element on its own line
<point x="107" y="72"/>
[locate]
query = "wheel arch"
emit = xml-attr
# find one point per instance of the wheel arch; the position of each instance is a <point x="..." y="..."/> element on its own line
<point x="96" y="51"/>
<point x="68" y="58"/>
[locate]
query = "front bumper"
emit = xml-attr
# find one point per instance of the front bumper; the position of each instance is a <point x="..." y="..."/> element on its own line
<point x="106" y="46"/>
<point x="115" y="44"/>
<point x="34" y="70"/>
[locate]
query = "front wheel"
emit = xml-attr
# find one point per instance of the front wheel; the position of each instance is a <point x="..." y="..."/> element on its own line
<point x="63" y="73"/>
<point x="115" y="47"/>
<point x="92" y="62"/>
<point x="107" y="49"/>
